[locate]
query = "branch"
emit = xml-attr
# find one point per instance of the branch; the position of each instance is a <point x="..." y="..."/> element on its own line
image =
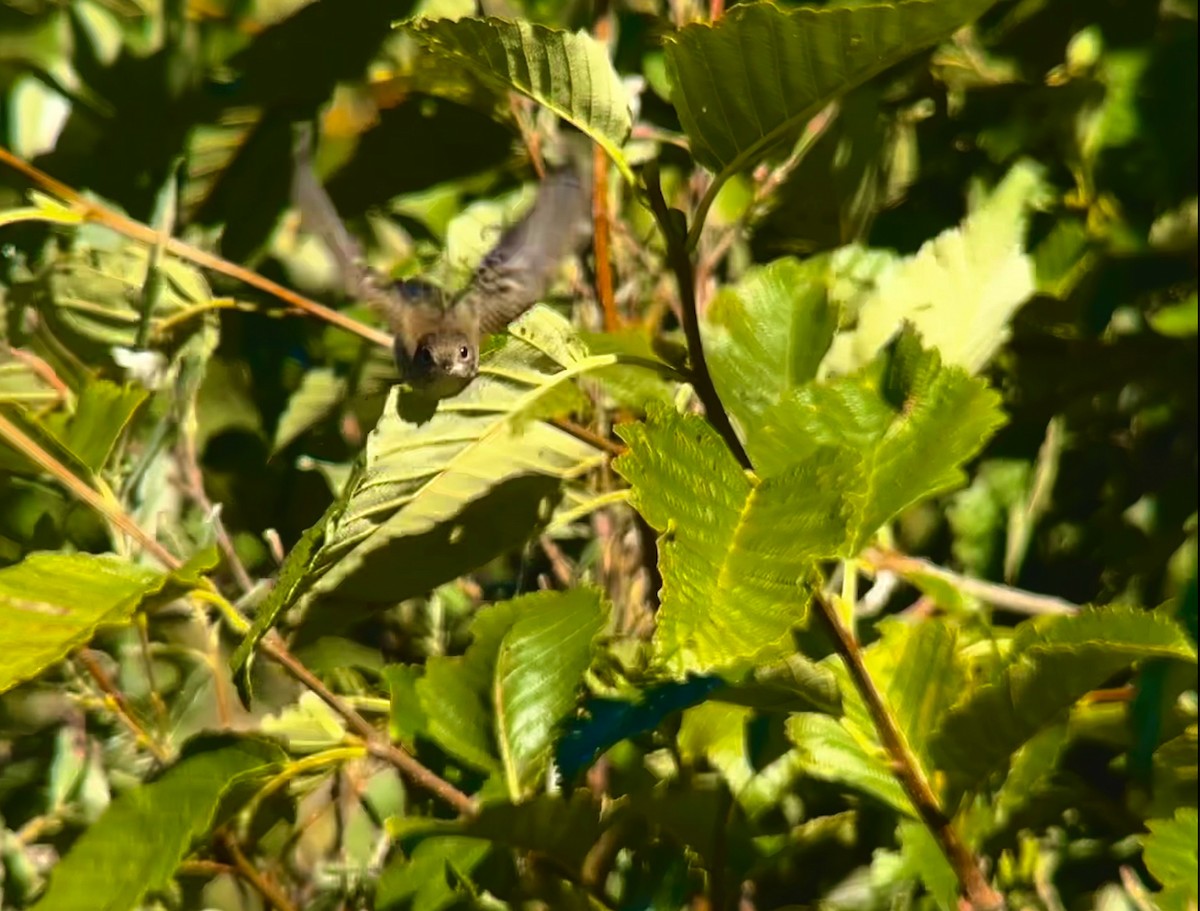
<point x="907" y="768"/>
<point x="265" y="887"/>
<point x="377" y="744"/>
<point x="120" y="705"/>
<point x="102" y="215"/>
<point x="1012" y="599"/>
<point x="671" y="223"/>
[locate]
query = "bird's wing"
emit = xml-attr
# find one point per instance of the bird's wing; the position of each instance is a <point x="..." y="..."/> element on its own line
<point x="318" y="216"/>
<point x="517" y="272"/>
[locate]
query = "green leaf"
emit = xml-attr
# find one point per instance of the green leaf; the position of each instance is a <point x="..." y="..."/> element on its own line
<point x="923" y="857"/>
<point x="406" y="717"/>
<point x="1052" y="662"/>
<point x="320" y="391"/>
<point x="441" y="494"/>
<point x="422" y="881"/>
<point x="114" y="864"/>
<point x="20" y="384"/>
<point x="752" y="80"/>
<point x="92" y="298"/>
<point x="919" y="675"/>
<point x="1170" y="852"/>
<point x="737" y="553"/>
<point x="768" y="333"/>
<point x="960" y="289"/>
<point x="104" y="411"/>
<point x="52" y="603"/>
<point x="567" y="72"/>
<point x="565" y="829"/>
<point x="829" y="751"/>
<point x="498" y="706"/>
<point x="914" y="421"/>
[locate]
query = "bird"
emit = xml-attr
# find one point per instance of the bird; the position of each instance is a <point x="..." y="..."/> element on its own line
<point x="436" y="335"/>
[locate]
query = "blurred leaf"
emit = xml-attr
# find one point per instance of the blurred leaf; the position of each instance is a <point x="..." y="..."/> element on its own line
<point x="308" y="726"/>
<point x="497" y="707"/>
<point x="320" y="391"/>
<point x="423" y="881"/>
<point x="443" y="493"/>
<point x="1051" y="663"/>
<point x="406" y="718"/>
<point x="564" y="828"/>
<point x="1176" y="320"/>
<point x="52" y="603"/>
<point x="1171" y="857"/>
<point x="923" y="857"/>
<point x="736" y="105"/>
<point x="92" y="298"/>
<point x="101" y="416"/>
<point x="960" y="289"/>
<point x="569" y="73"/>
<point x="21" y="384"/>
<point x="114" y="859"/>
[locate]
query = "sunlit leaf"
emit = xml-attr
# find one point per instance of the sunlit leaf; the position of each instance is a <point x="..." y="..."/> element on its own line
<point x="914" y="421"/>
<point x="497" y="707"/>
<point x="441" y="494"/>
<point x="51" y="603"/>
<point x="960" y="289"/>
<point x="1171" y="857"/>
<point x="736" y="552"/>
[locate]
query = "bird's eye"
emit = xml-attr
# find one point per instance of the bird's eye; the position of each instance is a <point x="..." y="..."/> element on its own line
<point x="464" y="352"/>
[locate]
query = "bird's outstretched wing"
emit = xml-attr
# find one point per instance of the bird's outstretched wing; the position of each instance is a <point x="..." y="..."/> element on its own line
<point x="518" y="271"/>
<point x="394" y="301"/>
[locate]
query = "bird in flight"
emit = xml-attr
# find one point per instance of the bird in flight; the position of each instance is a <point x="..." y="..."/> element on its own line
<point x="436" y="336"/>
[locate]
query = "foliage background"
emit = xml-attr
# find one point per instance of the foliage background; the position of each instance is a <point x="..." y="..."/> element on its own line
<point x="495" y="610"/>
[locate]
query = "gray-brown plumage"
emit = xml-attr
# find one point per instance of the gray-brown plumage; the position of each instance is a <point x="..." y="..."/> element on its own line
<point x="436" y="340"/>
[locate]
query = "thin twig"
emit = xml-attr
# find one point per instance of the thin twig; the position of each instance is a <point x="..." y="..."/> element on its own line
<point x="601" y="240"/>
<point x="1012" y="599"/>
<point x="272" y="645"/>
<point x="674" y="232"/>
<point x="907" y="768"/>
<point x="110" y="510"/>
<point x="265" y="887"/>
<point x="95" y="212"/>
<point x="404" y="761"/>
<point x="194" y="486"/>
<point x="120" y="705"/>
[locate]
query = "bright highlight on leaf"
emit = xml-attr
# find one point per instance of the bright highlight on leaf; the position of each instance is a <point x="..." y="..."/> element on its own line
<point x="834" y="462"/>
<point x="961" y="289"/>
<point x="52" y="603"/>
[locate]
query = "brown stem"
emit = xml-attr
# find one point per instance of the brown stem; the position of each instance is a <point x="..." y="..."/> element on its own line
<point x="272" y="645"/>
<point x="601" y="238"/>
<point x="907" y="768"/>
<point x="675" y="233"/>
<point x="94" y="212"/>
<point x="120" y="705"/>
<point x="405" y="762"/>
<point x="194" y="484"/>
<point x="265" y="887"/>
